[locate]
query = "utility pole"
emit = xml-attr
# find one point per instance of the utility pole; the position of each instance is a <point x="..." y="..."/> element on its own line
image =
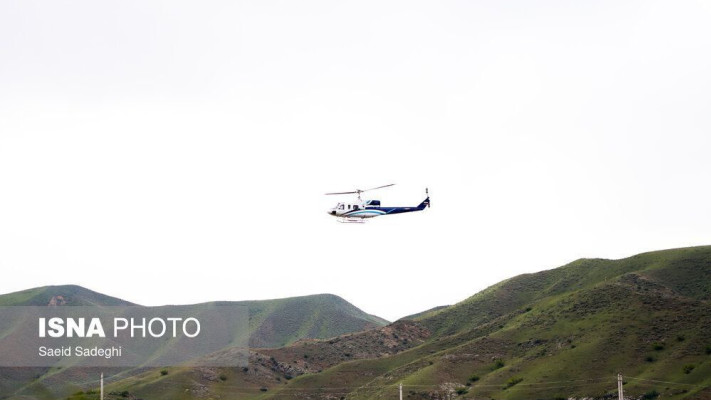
<point x="102" y="386"/>
<point x="400" y="390"/>
<point x="620" y="394"/>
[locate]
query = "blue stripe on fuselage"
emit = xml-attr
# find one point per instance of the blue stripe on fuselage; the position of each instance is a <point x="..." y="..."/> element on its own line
<point x="362" y="212"/>
<point x="395" y="210"/>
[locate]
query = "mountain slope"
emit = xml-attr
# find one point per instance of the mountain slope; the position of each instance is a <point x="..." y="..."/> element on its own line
<point x="683" y="270"/>
<point x="561" y="333"/>
<point x="273" y="323"/>
<point x="278" y="322"/>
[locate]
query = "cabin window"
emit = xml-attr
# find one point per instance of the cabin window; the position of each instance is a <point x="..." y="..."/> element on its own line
<point x="349" y="206"/>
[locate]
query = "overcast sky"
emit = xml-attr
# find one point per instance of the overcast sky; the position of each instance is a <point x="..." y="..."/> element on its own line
<point x="178" y="151"/>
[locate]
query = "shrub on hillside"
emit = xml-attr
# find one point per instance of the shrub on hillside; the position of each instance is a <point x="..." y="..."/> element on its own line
<point x="498" y="363"/>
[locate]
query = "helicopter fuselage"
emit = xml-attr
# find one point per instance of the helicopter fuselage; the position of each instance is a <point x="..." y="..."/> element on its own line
<point x="371" y="209"/>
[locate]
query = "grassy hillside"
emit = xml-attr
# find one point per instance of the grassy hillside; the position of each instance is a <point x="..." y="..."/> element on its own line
<point x="556" y="334"/>
<point x="568" y="332"/>
<point x="278" y="322"/>
<point x="273" y="323"/>
<point x="684" y="270"/>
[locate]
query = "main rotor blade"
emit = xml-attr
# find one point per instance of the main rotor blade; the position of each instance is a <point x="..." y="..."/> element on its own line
<point x="379" y="187"/>
<point x="342" y="193"/>
<point x="358" y="191"/>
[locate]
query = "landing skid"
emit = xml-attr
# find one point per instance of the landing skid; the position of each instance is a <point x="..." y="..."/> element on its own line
<point x="346" y="220"/>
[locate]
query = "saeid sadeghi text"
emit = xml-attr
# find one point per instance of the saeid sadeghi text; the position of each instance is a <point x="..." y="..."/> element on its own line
<point x="79" y="351"/>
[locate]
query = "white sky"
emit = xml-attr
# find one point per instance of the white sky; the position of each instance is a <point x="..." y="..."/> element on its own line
<point x="178" y="151"/>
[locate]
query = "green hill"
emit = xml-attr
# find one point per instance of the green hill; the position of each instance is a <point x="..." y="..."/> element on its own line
<point x="684" y="271"/>
<point x="563" y="333"/>
<point x="278" y="322"/>
<point x="566" y="333"/>
<point x="557" y="334"/>
<point x="273" y="323"/>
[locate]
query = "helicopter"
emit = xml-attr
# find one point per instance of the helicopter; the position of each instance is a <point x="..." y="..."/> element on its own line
<point x="363" y="209"/>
